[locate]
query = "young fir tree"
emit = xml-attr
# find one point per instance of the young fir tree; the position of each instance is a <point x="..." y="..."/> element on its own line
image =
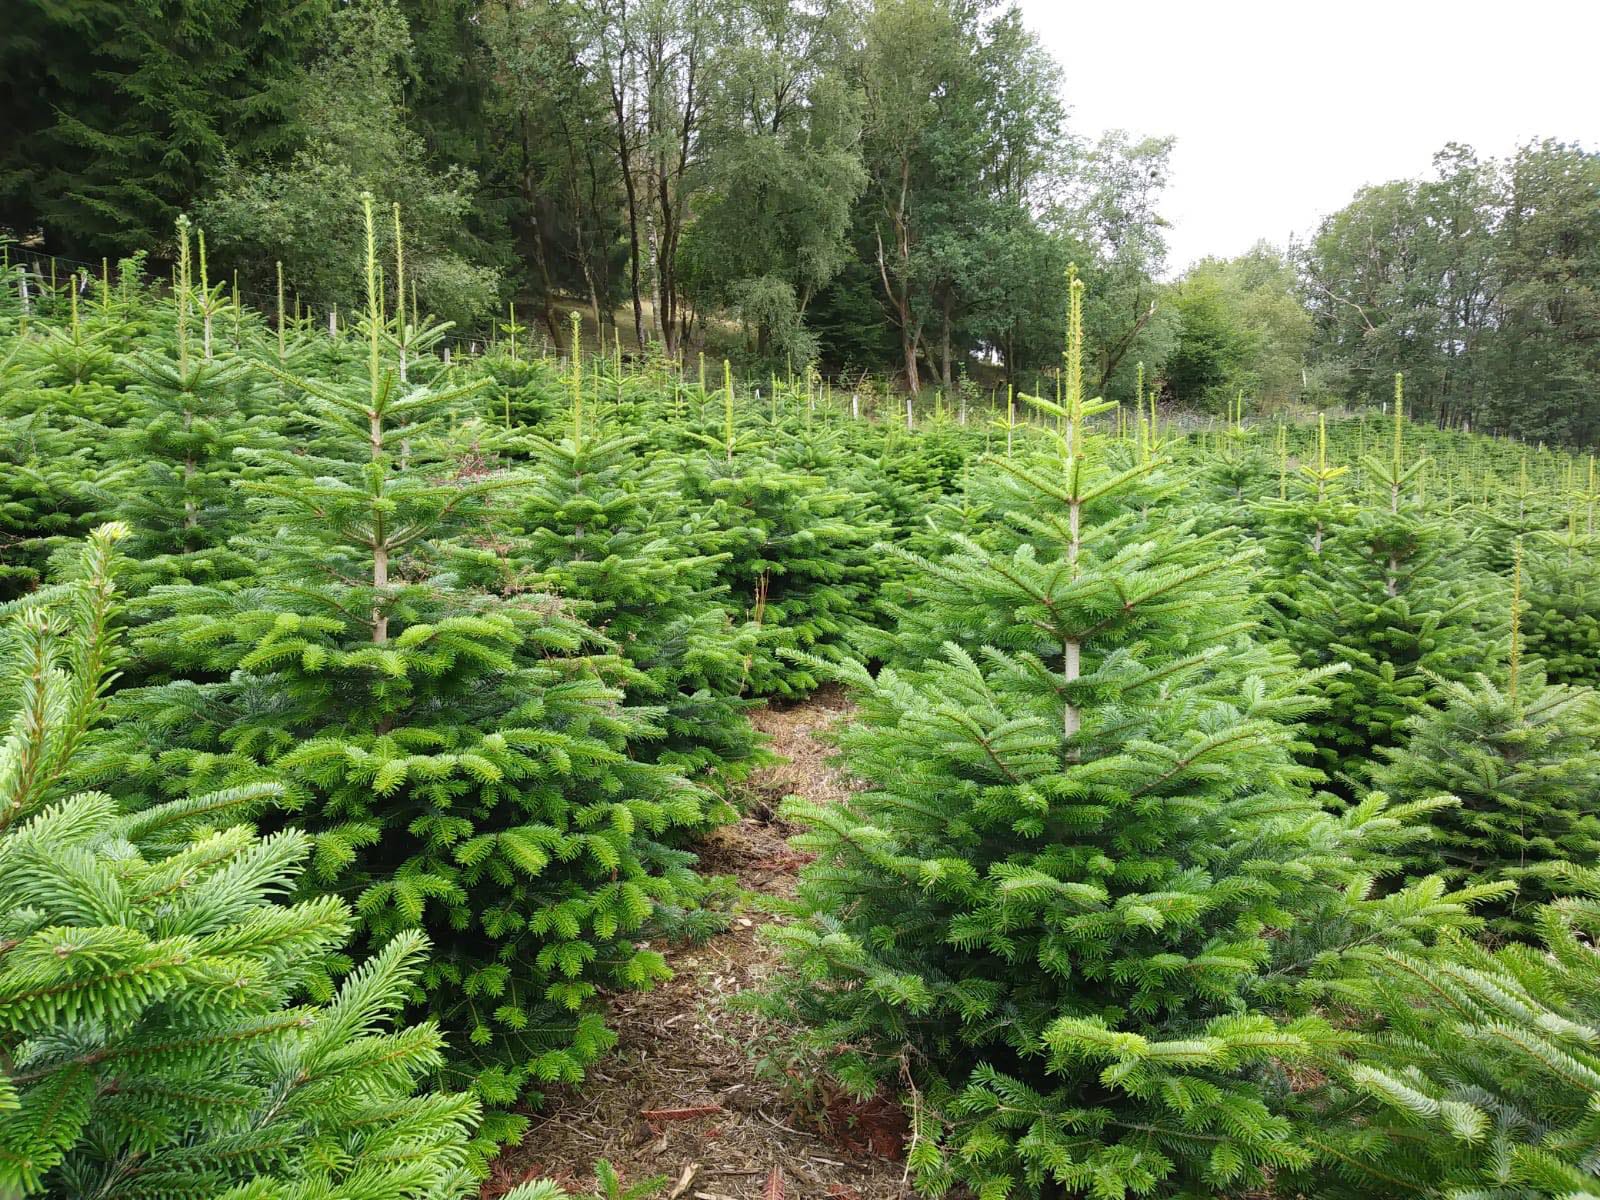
<point x="72" y="377"/>
<point x="1388" y="597"/>
<point x="48" y="492"/>
<point x="869" y="501"/>
<point x="51" y="473"/>
<point x="608" y="1185"/>
<point x="799" y="561"/>
<point x="1086" y="874"/>
<point x="157" y="1032"/>
<point x="1523" y="759"/>
<point x="1299" y="524"/>
<point x="599" y="520"/>
<point x="78" y="359"/>
<point x="192" y="410"/>
<point x="909" y="473"/>
<point x="1235" y="474"/>
<point x="1514" y="514"/>
<point x="1564" y="617"/>
<point x="1484" y="1080"/>
<point x="464" y="765"/>
<point x="1563" y="597"/>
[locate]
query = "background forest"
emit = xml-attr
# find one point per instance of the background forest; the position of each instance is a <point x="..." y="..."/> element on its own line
<point x="886" y="188"/>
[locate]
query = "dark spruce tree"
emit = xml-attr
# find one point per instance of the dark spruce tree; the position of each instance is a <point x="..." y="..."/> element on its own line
<point x="112" y="118"/>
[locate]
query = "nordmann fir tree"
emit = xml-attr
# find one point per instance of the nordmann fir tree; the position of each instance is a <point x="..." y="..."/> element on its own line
<point x="79" y="359"/>
<point x="1086" y="875"/>
<point x="157" y="1033"/>
<point x="1563" y="619"/>
<point x="1298" y="526"/>
<point x="799" y="565"/>
<point x="864" y="502"/>
<point x="1484" y="1080"/>
<point x="1236" y="474"/>
<point x="1388" y="596"/>
<point x="48" y="491"/>
<point x="1161" y="538"/>
<point x="599" y="521"/>
<point x="1522" y="757"/>
<point x="53" y="382"/>
<point x="462" y="760"/>
<point x="909" y="472"/>
<point x="1514" y="512"/>
<point x="192" y="406"/>
<point x="608" y="1185"/>
<point x="798" y="568"/>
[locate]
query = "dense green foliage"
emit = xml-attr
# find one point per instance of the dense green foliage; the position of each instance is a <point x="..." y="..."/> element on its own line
<point x="167" y="1026"/>
<point x="117" y="118"/>
<point x="496" y="672"/>
<point x="471" y="642"/>
<point x="1481" y="284"/>
<point x="1241" y="329"/>
<point x="1380" y="596"/>
<point x="461" y="757"/>
<point x="1087" y="899"/>
<point x="1524" y="766"/>
<point x="604" y="526"/>
<point x="1483" y="1082"/>
<point x="1562" y="619"/>
<point x="768" y="180"/>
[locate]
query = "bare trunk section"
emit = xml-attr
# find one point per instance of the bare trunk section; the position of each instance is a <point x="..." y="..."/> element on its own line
<point x="619" y="112"/>
<point x="380" y="584"/>
<point x="633" y="237"/>
<point x="900" y="297"/>
<point x="948" y="378"/>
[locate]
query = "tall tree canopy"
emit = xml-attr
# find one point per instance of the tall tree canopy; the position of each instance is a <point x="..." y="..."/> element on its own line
<point x="1480" y="283"/>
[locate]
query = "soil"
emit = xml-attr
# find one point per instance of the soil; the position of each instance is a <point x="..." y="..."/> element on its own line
<point x="700" y="1090"/>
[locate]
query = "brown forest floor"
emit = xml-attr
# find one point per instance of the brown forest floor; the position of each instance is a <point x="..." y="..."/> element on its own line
<point x="701" y="1090"/>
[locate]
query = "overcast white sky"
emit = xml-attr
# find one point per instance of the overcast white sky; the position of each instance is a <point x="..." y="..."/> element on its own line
<point x="1283" y="109"/>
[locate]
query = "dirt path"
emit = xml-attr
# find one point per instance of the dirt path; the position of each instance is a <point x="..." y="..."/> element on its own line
<point x="698" y="1082"/>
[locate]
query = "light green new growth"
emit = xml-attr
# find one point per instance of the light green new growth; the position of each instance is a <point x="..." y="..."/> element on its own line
<point x="575" y="376"/>
<point x="400" y="292"/>
<point x="1397" y="458"/>
<point x="1516" y="623"/>
<point x="727" y="407"/>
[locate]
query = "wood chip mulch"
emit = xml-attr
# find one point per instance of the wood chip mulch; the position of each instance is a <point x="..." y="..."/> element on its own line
<point x="701" y="1090"/>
